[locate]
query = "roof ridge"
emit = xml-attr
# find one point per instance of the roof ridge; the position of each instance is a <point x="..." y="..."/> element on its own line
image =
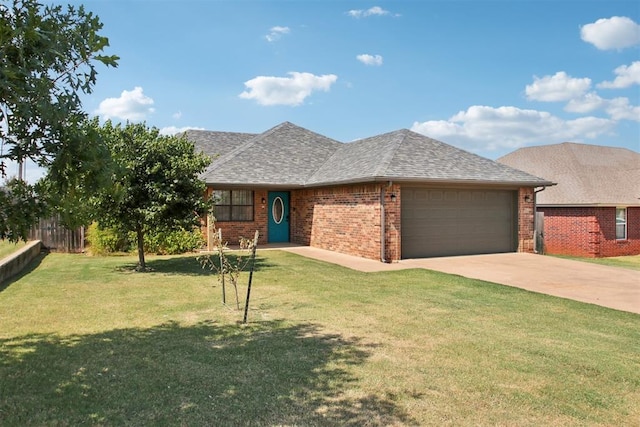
<point x="386" y="161"/>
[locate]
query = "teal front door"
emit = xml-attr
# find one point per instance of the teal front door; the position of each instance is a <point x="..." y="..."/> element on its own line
<point x="278" y="216"/>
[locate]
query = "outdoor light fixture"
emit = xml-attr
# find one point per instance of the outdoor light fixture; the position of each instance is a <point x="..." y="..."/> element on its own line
<point x="393" y="197"/>
<point x="263" y="201"/>
<point x="527" y="198"/>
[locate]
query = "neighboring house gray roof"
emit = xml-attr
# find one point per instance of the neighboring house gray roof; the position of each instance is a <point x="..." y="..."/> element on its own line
<point x="290" y="156"/>
<point x="586" y="175"/>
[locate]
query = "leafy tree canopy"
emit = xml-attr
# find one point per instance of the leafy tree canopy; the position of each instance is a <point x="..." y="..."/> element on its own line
<point x="47" y="59"/>
<point x="155" y="185"/>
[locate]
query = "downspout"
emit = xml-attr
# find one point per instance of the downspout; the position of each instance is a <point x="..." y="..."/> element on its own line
<point x="382" y="226"/>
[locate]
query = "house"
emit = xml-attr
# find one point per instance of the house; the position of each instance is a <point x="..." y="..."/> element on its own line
<point x="594" y="210"/>
<point x="391" y="196"/>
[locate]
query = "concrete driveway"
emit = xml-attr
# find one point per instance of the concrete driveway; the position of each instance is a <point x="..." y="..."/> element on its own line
<point x="612" y="287"/>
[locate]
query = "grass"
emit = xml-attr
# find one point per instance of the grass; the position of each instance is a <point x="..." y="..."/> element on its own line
<point x="86" y="341"/>
<point x="7" y="248"/>
<point x="631" y="261"/>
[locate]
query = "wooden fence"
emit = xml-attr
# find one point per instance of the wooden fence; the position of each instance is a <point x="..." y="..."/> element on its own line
<point x="56" y="237"/>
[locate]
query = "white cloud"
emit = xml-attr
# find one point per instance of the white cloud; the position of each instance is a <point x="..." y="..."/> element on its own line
<point x="620" y="109"/>
<point x="276" y="32"/>
<point x="362" y="13"/>
<point x="177" y="115"/>
<point x="559" y="87"/>
<point x="293" y="90"/>
<point x="488" y="128"/>
<point x="173" y="130"/>
<point x="616" y="32"/>
<point x="585" y="104"/>
<point x="132" y="105"/>
<point x="370" y="59"/>
<point x="626" y="76"/>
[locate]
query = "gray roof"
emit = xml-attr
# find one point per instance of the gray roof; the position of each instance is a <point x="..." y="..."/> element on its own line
<point x="290" y="156"/>
<point x="217" y="143"/>
<point x="286" y="155"/>
<point x="587" y="175"/>
<point x="407" y="156"/>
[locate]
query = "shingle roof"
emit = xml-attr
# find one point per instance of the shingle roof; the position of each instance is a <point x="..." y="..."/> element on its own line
<point x="585" y="174"/>
<point x="404" y="155"/>
<point x="217" y="143"/>
<point x="291" y="156"/>
<point x="286" y="155"/>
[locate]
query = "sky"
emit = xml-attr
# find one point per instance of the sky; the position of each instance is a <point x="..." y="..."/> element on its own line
<point x="485" y="76"/>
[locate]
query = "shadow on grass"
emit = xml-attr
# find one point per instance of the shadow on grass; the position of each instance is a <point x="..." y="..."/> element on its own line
<point x="188" y="265"/>
<point x="265" y="374"/>
<point x="28" y="269"/>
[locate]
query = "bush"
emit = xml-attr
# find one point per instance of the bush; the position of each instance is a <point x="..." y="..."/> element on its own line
<point x="103" y="241"/>
<point x="173" y="242"/>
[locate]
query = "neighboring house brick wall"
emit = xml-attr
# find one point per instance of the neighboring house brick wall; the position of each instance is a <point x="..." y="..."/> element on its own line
<point x="343" y="219"/>
<point x="589" y="231"/>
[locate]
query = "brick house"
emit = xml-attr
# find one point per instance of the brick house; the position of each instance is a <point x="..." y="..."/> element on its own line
<point x="391" y="196"/>
<point x="594" y="210"/>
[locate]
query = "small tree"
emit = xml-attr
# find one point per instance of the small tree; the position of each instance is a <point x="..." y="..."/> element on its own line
<point x="228" y="267"/>
<point x="156" y="184"/>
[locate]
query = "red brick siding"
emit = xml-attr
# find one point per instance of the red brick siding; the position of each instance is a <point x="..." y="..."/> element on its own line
<point x="392" y="222"/>
<point x="233" y="230"/>
<point x="589" y="231"/>
<point x="526" y="215"/>
<point x="344" y="219"/>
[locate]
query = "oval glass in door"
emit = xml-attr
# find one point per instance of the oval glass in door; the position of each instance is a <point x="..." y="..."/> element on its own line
<point x="277" y="210"/>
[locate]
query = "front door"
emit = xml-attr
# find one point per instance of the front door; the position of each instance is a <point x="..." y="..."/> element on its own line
<point x="278" y="216"/>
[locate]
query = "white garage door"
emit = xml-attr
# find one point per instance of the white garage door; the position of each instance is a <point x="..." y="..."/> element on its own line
<point x="444" y="222"/>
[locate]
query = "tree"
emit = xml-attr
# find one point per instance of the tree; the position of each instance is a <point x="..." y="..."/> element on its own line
<point x="155" y="185"/>
<point x="47" y="57"/>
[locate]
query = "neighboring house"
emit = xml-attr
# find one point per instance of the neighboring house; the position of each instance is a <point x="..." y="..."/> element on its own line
<point x="594" y="210"/>
<point x="392" y="196"/>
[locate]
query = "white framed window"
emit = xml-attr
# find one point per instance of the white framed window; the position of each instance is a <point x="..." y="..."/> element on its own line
<point x="621" y="223"/>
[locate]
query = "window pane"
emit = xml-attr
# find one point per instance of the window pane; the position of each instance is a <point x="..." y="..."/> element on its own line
<point x="621" y="216"/>
<point x="242" y="197"/>
<point x="242" y="213"/>
<point x="621" y="231"/>
<point x="222" y="213"/>
<point x="222" y="197"/>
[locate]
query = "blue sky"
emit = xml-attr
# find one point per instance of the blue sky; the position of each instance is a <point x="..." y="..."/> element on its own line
<point x="485" y="76"/>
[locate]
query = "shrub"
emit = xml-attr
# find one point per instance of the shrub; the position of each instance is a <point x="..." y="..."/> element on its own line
<point x="106" y="240"/>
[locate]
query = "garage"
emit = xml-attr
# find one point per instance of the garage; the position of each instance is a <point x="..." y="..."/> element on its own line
<point x="450" y="221"/>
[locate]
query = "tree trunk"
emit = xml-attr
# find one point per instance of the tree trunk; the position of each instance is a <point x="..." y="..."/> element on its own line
<point x="142" y="266"/>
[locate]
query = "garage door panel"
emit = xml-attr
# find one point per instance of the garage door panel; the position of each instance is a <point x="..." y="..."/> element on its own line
<point x="441" y="222"/>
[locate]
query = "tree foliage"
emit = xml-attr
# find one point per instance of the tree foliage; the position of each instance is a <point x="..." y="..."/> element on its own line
<point x="155" y="184"/>
<point x="47" y="60"/>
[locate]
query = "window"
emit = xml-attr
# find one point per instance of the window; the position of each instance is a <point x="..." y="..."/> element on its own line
<point x="233" y="205"/>
<point x="621" y="223"/>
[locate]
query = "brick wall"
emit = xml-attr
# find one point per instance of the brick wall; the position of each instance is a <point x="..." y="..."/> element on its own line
<point x="589" y="231"/>
<point x="344" y="219"/>
<point x="526" y="215"/>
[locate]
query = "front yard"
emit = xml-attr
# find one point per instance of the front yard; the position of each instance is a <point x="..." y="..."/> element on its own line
<point x="84" y="340"/>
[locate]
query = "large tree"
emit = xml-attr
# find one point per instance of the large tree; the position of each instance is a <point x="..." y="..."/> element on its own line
<point x="156" y="184"/>
<point x="47" y="60"/>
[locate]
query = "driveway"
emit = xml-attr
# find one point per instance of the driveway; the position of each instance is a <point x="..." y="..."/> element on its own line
<point x="612" y="287"/>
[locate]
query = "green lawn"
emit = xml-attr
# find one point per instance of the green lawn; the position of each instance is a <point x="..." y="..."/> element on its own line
<point x="632" y="261"/>
<point x="7" y="248"/>
<point x="87" y="341"/>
